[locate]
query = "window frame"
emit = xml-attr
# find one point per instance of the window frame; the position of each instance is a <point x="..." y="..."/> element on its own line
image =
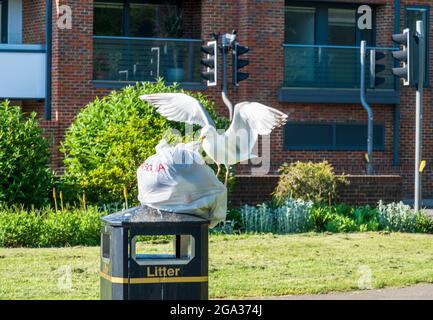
<point x="321" y="19"/>
<point x="126" y="21"/>
<point x="427" y="49"/>
<point x="4" y="22"/>
<point x="334" y="147"/>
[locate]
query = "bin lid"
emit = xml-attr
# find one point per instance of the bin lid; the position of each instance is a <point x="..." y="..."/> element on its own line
<point x="148" y="215"/>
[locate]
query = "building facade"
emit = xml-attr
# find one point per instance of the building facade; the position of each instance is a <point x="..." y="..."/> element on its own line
<point x="304" y="60"/>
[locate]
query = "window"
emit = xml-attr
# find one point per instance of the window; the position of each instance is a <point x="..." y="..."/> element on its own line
<point x="148" y="20"/>
<point x="319" y="45"/>
<point x="324" y="24"/>
<point x="331" y="136"/>
<point x="108" y="18"/>
<point x="134" y="18"/>
<point x="341" y="26"/>
<point x="412" y="15"/>
<point x="300" y="25"/>
<point x="3" y="21"/>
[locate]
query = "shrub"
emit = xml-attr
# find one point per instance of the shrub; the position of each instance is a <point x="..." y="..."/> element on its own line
<point x="111" y="137"/>
<point x="290" y="217"/>
<point x="424" y="223"/>
<point x="320" y="217"/>
<point x="341" y="224"/>
<point x="48" y="228"/>
<point x="400" y="217"/>
<point x="342" y="218"/>
<point x="25" y="178"/>
<point x="308" y="181"/>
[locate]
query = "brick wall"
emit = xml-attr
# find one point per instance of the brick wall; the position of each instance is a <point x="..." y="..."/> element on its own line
<point x="34" y="21"/>
<point x="370" y="189"/>
<point x="191" y="18"/>
<point x="361" y="189"/>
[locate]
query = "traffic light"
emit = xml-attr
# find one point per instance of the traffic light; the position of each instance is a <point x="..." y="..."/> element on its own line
<point x="237" y="51"/>
<point x="210" y="62"/>
<point x="403" y="57"/>
<point x="377" y="65"/>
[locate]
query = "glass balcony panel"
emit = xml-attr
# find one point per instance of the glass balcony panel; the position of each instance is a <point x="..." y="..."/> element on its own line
<point x="330" y="67"/>
<point x="145" y="59"/>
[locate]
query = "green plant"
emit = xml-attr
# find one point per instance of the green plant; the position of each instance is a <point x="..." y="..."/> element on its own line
<point x="424" y="223"/>
<point x="343" y="218"/>
<point x="340" y="223"/>
<point x="397" y="217"/>
<point x="25" y="177"/>
<point x="366" y="218"/>
<point x="111" y="137"/>
<point x="320" y="217"/>
<point x="48" y="228"/>
<point x="400" y="217"/>
<point x="308" y="181"/>
<point x="290" y="217"/>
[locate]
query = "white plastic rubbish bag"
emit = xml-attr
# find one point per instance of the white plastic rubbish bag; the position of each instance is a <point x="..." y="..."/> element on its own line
<point x="177" y="179"/>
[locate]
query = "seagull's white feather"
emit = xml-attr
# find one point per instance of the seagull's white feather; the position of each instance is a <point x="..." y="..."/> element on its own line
<point x="179" y="107"/>
<point x="250" y="120"/>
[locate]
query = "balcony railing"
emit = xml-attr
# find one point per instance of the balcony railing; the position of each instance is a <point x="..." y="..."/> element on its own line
<point x="330" y="67"/>
<point x="125" y="59"/>
<point x="22" y="71"/>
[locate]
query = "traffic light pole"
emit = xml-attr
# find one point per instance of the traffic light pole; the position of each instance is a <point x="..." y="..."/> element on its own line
<point x="419" y="114"/>
<point x="369" y="110"/>
<point x="224" y="51"/>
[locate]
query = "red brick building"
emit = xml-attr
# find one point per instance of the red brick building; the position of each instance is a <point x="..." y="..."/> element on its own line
<point x="303" y="60"/>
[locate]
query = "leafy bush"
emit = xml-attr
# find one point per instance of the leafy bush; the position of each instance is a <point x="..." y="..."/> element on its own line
<point x="48" y="228"/>
<point x="111" y="137"/>
<point x="343" y="218"/>
<point x="290" y="217"/>
<point x="307" y="181"/>
<point x="25" y="178"/>
<point x="400" y="217"/>
<point x="424" y="223"/>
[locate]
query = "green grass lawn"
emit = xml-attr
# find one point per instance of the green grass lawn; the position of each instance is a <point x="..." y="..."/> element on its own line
<point x="240" y="265"/>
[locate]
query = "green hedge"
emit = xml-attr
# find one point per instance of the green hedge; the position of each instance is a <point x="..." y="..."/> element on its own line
<point x="25" y="178"/>
<point x="48" y="228"/>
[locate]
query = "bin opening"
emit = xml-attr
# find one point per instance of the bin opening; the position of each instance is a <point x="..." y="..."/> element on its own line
<point x="105" y="246"/>
<point x="164" y="249"/>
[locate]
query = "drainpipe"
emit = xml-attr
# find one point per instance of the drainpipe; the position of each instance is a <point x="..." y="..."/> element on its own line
<point x="368" y="109"/>
<point x="48" y="51"/>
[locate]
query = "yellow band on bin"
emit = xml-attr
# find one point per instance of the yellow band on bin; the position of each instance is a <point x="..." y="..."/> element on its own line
<point x="153" y="279"/>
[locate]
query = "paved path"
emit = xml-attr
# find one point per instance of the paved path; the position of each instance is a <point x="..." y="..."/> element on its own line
<point x="417" y="292"/>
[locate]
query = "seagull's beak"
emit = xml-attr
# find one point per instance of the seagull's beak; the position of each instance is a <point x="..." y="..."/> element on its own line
<point x="201" y="138"/>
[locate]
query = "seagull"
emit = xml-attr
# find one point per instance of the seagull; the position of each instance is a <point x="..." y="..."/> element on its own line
<point x="250" y="119"/>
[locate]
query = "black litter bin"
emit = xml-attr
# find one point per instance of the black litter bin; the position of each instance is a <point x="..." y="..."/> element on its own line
<point x="128" y="274"/>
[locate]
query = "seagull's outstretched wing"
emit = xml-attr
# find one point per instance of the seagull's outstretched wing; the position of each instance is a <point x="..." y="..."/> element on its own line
<point x="250" y="120"/>
<point x="179" y="107"/>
